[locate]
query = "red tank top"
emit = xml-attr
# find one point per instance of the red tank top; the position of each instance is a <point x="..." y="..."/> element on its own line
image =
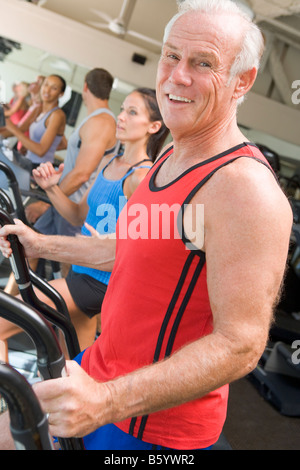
<point x="157" y="301"/>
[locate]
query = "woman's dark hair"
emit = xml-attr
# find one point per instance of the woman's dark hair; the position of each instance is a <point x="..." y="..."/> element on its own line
<point x="156" y="140"/>
<point x="100" y="83"/>
<point x="63" y="82"/>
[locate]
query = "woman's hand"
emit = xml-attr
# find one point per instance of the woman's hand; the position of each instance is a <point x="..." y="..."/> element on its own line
<point x="47" y="176"/>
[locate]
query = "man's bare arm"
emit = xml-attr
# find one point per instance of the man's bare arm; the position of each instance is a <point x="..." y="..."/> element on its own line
<point x="97" y="135"/>
<point x="246" y="243"/>
<point x="95" y="252"/>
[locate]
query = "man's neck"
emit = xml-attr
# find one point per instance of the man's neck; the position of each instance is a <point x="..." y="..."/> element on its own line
<point x="96" y="104"/>
<point x="206" y="145"/>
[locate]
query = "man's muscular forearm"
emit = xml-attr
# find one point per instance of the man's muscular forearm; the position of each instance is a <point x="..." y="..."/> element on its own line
<point x="190" y="373"/>
<point x="95" y="252"/>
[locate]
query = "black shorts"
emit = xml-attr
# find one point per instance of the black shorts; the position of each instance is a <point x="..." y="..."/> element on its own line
<point x="87" y="292"/>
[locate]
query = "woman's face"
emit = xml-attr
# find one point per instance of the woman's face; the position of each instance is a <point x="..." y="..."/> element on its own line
<point x="133" y="121"/>
<point x="51" y="89"/>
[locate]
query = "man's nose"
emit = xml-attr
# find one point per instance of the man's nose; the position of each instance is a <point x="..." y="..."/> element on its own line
<point x="181" y="74"/>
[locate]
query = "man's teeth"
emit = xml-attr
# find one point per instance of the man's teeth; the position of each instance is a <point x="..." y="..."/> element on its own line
<point x="179" y="98"/>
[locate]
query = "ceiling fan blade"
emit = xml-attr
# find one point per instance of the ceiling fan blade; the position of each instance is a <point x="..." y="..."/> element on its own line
<point x="144" y="38"/>
<point x="60" y="64"/>
<point x="126" y="12"/>
<point x="44" y="56"/>
<point x="39" y="3"/>
<point x="96" y="24"/>
<point x="102" y="15"/>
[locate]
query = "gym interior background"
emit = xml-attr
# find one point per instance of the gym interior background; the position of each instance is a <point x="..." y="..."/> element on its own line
<point x="69" y="37"/>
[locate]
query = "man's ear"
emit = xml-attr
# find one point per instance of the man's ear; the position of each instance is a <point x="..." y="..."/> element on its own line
<point x="244" y="83"/>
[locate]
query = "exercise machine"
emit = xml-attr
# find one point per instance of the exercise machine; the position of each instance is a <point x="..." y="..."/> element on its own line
<point x="15" y="185"/>
<point x="28" y="424"/>
<point x="26" y="278"/>
<point x="277" y="375"/>
<point x="50" y="359"/>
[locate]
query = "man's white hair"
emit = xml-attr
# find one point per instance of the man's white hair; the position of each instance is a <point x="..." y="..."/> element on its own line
<point x="253" y="42"/>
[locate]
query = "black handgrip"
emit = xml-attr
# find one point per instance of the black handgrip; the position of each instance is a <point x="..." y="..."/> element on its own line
<point x="50" y="360"/>
<point x="35" y="194"/>
<point x="8" y="172"/>
<point x="14" y="186"/>
<point x="52" y="293"/>
<point x="22" y="276"/>
<point x="6" y="202"/>
<point x="28" y="423"/>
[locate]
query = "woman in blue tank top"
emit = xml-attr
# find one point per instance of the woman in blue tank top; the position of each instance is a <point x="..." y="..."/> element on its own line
<point x="46" y="132"/>
<point x="141" y="130"/>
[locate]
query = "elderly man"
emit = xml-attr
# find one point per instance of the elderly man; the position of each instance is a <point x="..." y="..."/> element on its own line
<point x="188" y="313"/>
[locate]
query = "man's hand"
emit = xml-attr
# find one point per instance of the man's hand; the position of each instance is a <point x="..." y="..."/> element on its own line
<point x="35" y="210"/>
<point x="76" y="404"/>
<point x="30" y="240"/>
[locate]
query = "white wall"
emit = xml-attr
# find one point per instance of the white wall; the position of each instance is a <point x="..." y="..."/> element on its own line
<point x="270" y="123"/>
<point x="75" y="42"/>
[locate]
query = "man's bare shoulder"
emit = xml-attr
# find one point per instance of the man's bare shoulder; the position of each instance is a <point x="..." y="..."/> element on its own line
<point x="102" y="117"/>
<point x="103" y="120"/>
<point x="246" y="179"/>
<point x="244" y="192"/>
<point x="98" y="125"/>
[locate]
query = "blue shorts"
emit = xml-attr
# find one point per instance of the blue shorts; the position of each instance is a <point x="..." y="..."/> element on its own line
<point x="110" y="437"/>
<point x="52" y="223"/>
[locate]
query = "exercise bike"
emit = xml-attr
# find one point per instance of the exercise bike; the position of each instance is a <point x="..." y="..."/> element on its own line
<point x="277" y="375"/>
<point x="50" y="362"/>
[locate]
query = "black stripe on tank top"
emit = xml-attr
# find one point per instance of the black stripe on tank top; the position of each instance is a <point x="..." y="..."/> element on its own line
<point x="154" y="188"/>
<point x="199" y="186"/>
<point x="166" y="319"/>
<point x="176" y="323"/>
<point x="179" y="286"/>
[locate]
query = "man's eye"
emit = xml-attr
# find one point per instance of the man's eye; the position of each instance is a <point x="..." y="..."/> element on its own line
<point x="172" y="56"/>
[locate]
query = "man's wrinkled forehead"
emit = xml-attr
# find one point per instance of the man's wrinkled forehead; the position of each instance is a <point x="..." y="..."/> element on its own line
<point x="224" y="27"/>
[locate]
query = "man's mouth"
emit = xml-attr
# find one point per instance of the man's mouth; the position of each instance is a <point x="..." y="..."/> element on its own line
<point x="179" y="98"/>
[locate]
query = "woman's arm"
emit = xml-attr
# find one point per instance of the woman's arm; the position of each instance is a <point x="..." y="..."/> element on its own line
<point x="10" y="110"/>
<point x="47" y="177"/>
<point x="55" y="127"/>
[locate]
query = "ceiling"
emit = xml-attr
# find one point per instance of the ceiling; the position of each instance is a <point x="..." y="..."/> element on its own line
<point x="146" y="18"/>
<point x="108" y="32"/>
<point x="142" y="22"/>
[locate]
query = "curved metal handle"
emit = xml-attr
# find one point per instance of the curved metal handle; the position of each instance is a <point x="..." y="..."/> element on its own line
<point x="50" y="360"/>
<point x="28" y="424"/>
<point x="14" y="186"/>
<point x="8" y="172"/>
<point x="22" y="275"/>
<point x="6" y="202"/>
<point x="50" y="292"/>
